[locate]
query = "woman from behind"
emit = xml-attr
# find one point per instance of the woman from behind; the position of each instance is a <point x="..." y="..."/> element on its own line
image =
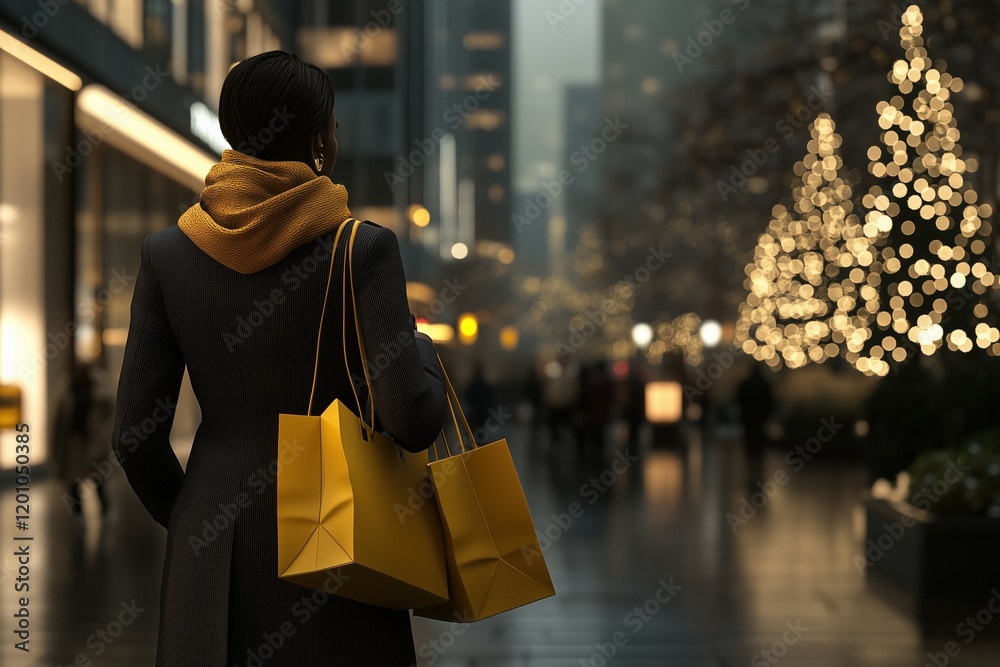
<point x="234" y="293"/>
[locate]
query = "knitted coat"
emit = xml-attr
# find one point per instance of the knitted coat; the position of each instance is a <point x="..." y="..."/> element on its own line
<point x="248" y="341"/>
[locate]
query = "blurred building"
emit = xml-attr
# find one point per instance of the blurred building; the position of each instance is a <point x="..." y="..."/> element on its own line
<point x="363" y="45"/>
<point x="467" y="69"/>
<point x="699" y="85"/>
<point x="464" y="141"/>
<point x="584" y="123"/>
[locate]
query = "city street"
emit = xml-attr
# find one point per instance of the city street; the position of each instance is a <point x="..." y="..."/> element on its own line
<point x="647" y="571"/>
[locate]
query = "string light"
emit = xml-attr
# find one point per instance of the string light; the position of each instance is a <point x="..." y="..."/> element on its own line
<point x="810" y="293"/>
<point x="927" y="218"/>
<point x="680" y="335"/>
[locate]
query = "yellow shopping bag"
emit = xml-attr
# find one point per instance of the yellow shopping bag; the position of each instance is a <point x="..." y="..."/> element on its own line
<point x="337" y="500"/>
<point x="495" y="563"/>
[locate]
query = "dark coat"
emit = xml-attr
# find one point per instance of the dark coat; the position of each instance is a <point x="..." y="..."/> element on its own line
<point x="221" y="598"/>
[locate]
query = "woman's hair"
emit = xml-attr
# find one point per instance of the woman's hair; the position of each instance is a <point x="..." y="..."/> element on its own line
<point x="272" y="100"/>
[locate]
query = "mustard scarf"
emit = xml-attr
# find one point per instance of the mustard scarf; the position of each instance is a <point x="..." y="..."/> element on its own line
<point x="253" y="212"/>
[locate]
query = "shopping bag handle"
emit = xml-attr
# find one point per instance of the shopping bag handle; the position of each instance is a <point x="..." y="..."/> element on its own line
<point x="322" y="317"/>
<point x="453" y="397"/>
<point x="444" y="436"/>
<point x="366" y="432"/>
<point x="348" y="270"/>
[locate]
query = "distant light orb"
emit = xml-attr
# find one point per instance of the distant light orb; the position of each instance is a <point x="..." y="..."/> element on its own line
<point x="460" y="251"/>
<point x="642" y="335"/>
<point x="711" y="333"/>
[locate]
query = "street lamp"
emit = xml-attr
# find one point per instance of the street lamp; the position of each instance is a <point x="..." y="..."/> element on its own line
<point x="711" y="333"/>
<point x="642" y="335"/>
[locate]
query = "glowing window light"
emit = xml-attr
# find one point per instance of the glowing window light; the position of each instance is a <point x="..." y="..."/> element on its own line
<point x="43" y="64"/>
<point x="664" y="402"/>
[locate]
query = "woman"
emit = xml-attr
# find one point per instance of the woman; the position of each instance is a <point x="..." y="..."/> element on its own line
<point x="234" y="292"/>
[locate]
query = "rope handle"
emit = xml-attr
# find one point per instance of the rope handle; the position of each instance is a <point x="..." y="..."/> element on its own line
<point x="453" y="398"/>
<point x="322" y="317"/>
<point x="348" y="268"/>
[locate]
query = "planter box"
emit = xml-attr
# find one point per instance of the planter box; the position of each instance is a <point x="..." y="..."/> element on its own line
<point x="940" y="569"/>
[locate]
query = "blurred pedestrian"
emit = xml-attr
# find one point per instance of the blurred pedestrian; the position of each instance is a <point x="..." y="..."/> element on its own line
<point x="82" y="435"/>
<point x="756" y="400"/>
<point x="533" y="394"/>
<point x="634" y="412"/>
<point x="595" y="403"/>
<point x="560" y="391"/>
<point x="479" y="398"/>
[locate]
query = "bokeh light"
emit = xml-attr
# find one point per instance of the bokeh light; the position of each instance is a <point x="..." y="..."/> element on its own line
<point x="810" y="296"/>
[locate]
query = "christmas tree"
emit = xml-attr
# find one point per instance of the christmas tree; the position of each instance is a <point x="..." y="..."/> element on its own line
<point x="809" y="291"/>
<point x="934" y="274"/>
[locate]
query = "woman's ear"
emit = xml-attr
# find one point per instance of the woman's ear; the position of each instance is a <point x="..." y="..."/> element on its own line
<point x="319" y="159"/>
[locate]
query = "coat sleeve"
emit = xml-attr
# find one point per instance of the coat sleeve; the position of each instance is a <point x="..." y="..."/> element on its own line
<point x="407" y="386"/>
<point x="147" y="399"/>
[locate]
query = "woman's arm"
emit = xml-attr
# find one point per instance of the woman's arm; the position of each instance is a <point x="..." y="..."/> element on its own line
<point x="407" y="386"/>
<point x="147" y="399"/>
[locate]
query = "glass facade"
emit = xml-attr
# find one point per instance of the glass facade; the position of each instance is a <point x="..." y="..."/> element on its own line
<point x="35" y="303"/>
<point x="90" y="165"/>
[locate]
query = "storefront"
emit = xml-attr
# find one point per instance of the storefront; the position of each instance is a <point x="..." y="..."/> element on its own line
<point x="99" y="149"/>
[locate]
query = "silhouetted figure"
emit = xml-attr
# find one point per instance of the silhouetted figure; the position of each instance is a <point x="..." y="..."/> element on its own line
<point x="82" y="436"/>
<point x="561" y="392"/>
<point x="595" y="406"/>
<point x="634" y="412"/>
<point x="479" y="398"/>
<point x="756" y="402"/>
<point x="533" y="394"/>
